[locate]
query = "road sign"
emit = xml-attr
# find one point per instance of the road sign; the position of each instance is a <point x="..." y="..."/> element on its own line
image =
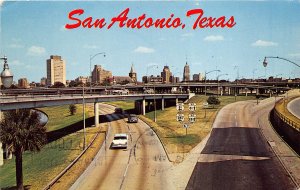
<point x="192" y="106"/>
<point x="192" y="118"/>
<point x="185" y="126"/>
<point x="180" y="106"/>
<point x="180" y="117"/>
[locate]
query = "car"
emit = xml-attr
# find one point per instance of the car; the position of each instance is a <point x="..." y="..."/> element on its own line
<point x="120" y="141"/>
<point x="132" y="118"/>
<point x="119" y="110"/>
<point x="120" y="92"/>
<point x="149" y="91"/>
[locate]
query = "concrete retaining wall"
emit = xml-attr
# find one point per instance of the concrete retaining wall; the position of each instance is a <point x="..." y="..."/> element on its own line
<point x="288" y="130"/>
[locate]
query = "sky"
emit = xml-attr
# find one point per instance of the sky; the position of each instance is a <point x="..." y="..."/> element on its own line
<point x="31" y="31"/>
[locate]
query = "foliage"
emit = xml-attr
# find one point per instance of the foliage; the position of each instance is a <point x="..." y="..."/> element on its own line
<point x="212" y="100"/>
<point x="72" y="109"/>
<point x="58" y="85"/>
<point x="75" y="84"/>
<point x="20" y="130"/>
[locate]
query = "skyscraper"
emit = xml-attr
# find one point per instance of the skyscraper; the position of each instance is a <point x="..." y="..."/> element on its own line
<point x="186" y="73"/>
<point x="166" y="74"/>
<point x="99" y="75"/>
<point x="56" y="70"/>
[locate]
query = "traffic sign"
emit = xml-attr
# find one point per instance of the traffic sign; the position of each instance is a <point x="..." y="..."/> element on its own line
<point x="180" y="106"/>
<point x="180" y="117"/>
<point x="192" y="106"/>
<point x="185" y="126"/>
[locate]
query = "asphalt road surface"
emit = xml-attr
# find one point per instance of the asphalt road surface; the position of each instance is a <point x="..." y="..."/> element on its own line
<point x="140" y="166"/>
<point x="237" y="156"/>
<point x="294" y="107"/>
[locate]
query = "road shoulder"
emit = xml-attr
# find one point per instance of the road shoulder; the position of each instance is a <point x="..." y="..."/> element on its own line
<point x="286" y="155"/>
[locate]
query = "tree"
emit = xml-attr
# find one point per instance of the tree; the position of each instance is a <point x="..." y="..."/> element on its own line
<point x="21" y="131"/>
<point x="58" y="85"/>
<point x="212" y="100"/>
<point x="72" y="109"/>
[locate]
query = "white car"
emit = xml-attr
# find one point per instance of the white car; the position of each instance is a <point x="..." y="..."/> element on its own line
<point x="120" y="141"/>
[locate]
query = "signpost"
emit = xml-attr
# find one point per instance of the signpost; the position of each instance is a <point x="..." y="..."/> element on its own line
<point x="205" y="105"/>
<point x="191" y="116"/>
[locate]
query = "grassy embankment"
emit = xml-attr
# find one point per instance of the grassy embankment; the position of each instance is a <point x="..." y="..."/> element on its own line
<point x="40" y="168"/>
<point x="171" y="132"/>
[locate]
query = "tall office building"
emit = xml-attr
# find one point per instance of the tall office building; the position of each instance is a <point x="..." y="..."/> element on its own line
<point x="99" y="75"/>
<point x="166" y="75"/>
<point x="23" y="83"/>
<point x="56" y="70"/>
<point x="132" y="74"/>
<point x="186" y="73"/>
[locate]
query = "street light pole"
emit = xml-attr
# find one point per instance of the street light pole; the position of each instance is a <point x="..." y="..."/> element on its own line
<point x="91" y="58"/>
<point x="253" y="71"/>
<point x="6" y="75"/>
<point x="218" y="82"/>
<point x="154" y="99"/>
<point x="236" y="81"/>
<point x="205" y="78"/>
<point x="265" y="63"/>
<point x="83" y="114"/>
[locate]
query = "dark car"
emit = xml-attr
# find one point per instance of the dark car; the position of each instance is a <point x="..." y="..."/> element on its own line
<point x="132" y="118"/>
<point x="119" y="110"/>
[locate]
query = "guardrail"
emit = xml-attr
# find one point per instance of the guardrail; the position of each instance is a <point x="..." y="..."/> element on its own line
<point x="288" y="121"/>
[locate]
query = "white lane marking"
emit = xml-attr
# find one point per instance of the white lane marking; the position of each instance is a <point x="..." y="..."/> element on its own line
<point x="235" y="118"/>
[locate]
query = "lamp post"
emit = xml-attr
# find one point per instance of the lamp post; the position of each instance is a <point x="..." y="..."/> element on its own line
<point x="236" y="81"/>
<point x="205" y="78"/>
<point x="6" y="74"/>
<point x="253" y="71"/>
<point x="91" y="58"/>
<point x="83" y="115"/>
<point x="154" y="99"/>
<point x="276" y="84"/>
<point x="218" y="81"/>
<point x="265" y="63"/>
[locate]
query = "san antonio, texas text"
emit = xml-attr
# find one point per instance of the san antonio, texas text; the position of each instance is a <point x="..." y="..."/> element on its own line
<point x="143" y="21"/>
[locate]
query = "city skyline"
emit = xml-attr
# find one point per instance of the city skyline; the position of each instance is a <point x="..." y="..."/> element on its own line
<point x="262" y="29"/>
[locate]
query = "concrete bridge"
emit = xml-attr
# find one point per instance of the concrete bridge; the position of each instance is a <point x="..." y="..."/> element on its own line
<point x="141" y="101"/>
<point x="195" y="87"/>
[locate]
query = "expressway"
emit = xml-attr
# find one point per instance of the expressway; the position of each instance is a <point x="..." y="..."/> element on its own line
<point x="140" y="166"/>
<point x="236" y="155"/>
<point x="294" y="107"/>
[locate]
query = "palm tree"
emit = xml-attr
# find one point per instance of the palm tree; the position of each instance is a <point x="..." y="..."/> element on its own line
<point x="21" y="130"/>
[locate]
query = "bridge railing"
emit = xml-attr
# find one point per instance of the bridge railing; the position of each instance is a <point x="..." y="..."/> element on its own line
<point x="294" y="124"/>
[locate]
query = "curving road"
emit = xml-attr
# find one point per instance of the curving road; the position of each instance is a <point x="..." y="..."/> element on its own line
<point x="141" y="166"/>
<point x="294" y="107"/>
<point x="237" y="156"/>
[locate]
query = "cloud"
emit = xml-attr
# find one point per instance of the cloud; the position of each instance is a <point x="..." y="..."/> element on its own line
<point x="36" y="51"/>
<point x="214" y="38"/>
<point x="87" y="46"/>
<point x="142" y="49"/>
<point x="262" y="43"/>
<point x="187" y="35"/>
<point x="15" y="46"/>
